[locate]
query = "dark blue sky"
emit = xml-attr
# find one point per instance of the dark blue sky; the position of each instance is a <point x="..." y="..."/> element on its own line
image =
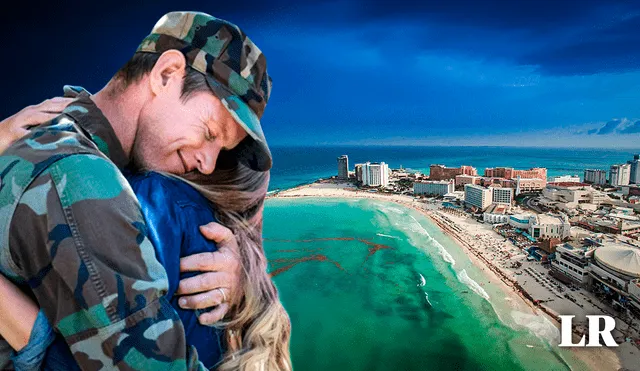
<point x="527" y="73"/>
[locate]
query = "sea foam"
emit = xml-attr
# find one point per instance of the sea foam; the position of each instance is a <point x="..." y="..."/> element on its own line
<point x="473" y="285"/>
<point x="446" y="256"/>
<point x="388" y="236"/>
<point x="539" y="325"/>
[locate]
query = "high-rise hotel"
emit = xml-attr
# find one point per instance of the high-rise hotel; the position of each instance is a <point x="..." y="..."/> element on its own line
<point x="373" y="174"/>
<point x="343" y="167"/>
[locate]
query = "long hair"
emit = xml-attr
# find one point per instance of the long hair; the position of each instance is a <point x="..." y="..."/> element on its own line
<point x="259" y="324"/>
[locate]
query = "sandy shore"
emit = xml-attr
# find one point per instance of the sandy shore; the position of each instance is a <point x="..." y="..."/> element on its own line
<point x="488" y="251"/>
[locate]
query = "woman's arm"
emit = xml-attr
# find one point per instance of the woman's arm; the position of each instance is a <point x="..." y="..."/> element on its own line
<point x="29" y="332"/>
<point x="17" y="314"/>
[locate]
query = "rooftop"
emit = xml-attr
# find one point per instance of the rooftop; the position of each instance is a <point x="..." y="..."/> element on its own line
<point x="569" y="184"/>
<point x="550" y="219"/>
<point x="620" y="257"/>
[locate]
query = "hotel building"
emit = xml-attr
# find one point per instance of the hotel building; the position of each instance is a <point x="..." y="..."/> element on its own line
<point x="530" y="184"/>
<point x="502" y="195"/>
<point x="595" y="176"/>
<point x="440" y="188"/>
<point x="635" y="170"/>
<point x="440" y="172"/>
<point x="462" y="180"/>
<point x="373" y="174"/>
<point x="565" y="179"/>
<point x="343" y="167"/>
<point x="619" y="175"/>
<point x="572" y="262"/>
<point x="477" y="196"/>
<point x="511" y="173"/>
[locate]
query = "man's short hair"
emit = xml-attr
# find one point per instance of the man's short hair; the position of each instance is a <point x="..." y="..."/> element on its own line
<point x="142" y="63"/>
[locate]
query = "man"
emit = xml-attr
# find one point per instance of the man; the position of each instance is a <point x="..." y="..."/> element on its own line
<point x="71" y="226"/>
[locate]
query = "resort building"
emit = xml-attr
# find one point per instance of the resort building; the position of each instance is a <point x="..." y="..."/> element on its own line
<point x="522" y="221"/>
<point x="620" y="175"/>
<point x="572" y="262"/>
<point x="614" y="274"/>
<point x="358" y="172"/>
<point x="374" y="174"/>
<point x="635" y="170"/>
<point x="565" y="179"/>
<point x="502" y="195"/>
<point x="542" y="226"/>
<point x="595" y="176"/>
<point x="496" y="214"/>
<point x="440" y="172"/>
<point x="498" y="182"/>
<point x="433" y="188"/>
<point x="493" y="218"/>
<point x="550" y="226"/>
<point x="477" y="196"/>
<point x="565" y="196"/>
<point x="462" y="180"/>
<point x="530" y="184"/>
<point x="511" y="173"/>
<point x="343" y="167"/>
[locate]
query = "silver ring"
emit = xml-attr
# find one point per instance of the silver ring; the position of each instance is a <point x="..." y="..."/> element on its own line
<point x="224" y="296"/>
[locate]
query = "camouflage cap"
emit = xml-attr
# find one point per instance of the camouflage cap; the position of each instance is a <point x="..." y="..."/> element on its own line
<point x="235" y="69"/>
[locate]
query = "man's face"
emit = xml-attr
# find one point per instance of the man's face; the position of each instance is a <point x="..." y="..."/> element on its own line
<point x="179" y="136"/>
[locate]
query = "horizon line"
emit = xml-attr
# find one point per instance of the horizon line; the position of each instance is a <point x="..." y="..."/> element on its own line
<point x="450" y="146"/>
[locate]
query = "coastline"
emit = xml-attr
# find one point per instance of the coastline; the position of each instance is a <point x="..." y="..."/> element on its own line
<point x="501" y="277"/>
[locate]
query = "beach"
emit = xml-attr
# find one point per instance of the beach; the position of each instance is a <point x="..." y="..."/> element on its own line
<point x="494" y="256"/>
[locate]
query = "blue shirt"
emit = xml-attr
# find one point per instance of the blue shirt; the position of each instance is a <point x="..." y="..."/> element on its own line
<point x="173" y="211"/>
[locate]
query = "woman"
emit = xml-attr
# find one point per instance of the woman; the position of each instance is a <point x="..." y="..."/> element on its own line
<point x="257" y="335"/>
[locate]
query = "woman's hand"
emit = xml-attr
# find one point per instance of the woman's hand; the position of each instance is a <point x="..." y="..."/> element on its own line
<point x="16" y="126"/>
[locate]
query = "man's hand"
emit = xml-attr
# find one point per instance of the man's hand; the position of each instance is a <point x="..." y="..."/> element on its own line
<point x="220" y="283"/>
<point x="16" y="126"/>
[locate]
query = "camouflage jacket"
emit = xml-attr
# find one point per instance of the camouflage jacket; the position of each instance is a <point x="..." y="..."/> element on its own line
<point x="77" y="238"/>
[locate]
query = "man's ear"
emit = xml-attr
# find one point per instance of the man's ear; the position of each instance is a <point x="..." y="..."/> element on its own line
<point x="168" y="70"/>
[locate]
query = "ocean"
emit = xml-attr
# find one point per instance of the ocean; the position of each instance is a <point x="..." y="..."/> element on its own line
<point x="371" y="285"/>
<point x="297" y="165"/>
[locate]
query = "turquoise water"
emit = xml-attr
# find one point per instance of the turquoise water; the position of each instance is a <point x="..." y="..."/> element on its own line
<point x="371" y="285"/>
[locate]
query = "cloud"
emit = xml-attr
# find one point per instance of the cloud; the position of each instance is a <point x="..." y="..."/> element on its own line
<point x="632" y="128"/>
<point x="617" y="126"/>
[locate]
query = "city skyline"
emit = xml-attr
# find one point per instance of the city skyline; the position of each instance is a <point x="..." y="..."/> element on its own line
<point x="361" y="73"/>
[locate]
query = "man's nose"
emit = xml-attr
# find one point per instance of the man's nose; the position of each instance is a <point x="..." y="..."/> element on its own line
<point x="207" y="160"/>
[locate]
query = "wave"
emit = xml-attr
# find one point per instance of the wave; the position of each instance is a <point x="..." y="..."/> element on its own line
<point x="539" y="325"/>
<point x="473" y="285"/>
<point x="423" y="281"/>
<point x="426" y="296"/>
<point x="385" y="208"/>
<point x="388" y="236"/>
<point x="446" y="256"/>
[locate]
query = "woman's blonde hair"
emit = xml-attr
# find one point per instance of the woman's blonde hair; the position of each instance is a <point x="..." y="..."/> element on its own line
<point x="259" y="323"/>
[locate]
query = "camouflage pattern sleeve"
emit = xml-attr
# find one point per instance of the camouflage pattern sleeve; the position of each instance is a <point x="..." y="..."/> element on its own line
<point x="79" y="239"/>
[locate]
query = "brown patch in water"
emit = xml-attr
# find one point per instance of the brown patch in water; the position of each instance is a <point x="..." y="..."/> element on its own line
<point x="292" y="262"/>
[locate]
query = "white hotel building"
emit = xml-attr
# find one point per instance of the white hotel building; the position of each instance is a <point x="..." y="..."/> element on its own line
<point x="440" y="188"/>
<point x="373" y="174"/>
<point x="620" y="175"/>
<point x="595" y="176"/>
<point x="477" y="196"/>
<point x="502" y="196"/>
<point x="573" y="262"/>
